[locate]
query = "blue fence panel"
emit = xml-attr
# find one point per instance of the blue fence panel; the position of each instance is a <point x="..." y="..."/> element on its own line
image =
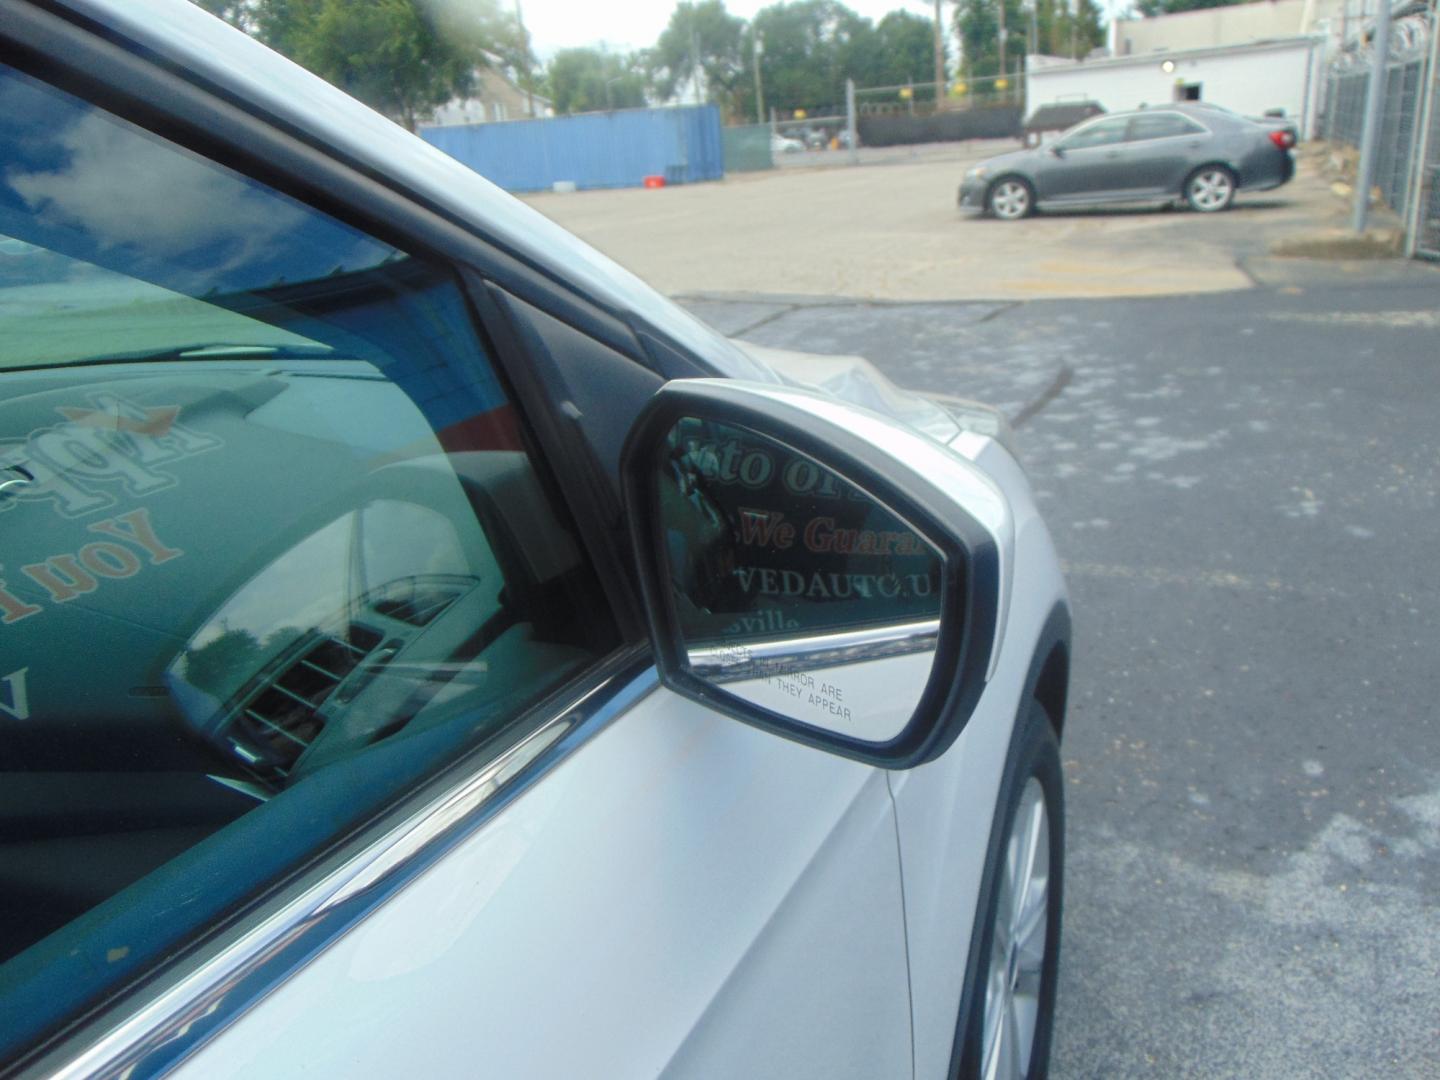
<point x="595" y="150"/>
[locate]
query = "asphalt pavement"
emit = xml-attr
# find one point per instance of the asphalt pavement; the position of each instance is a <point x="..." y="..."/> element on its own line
<point x="1243" y="487"/>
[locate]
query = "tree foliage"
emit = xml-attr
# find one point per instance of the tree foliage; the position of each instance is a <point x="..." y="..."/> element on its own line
<point x="809" y="49"/>
<point x="587" y="80"/>
<point x="701" y="47"/>
<point x="1058" y="29"/>
<point x="904" y="50"/>
<point x="402" y="57"/>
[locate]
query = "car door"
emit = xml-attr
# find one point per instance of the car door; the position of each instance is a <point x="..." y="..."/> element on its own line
<point x="1163" y="147"/>
<point x="1090" y="161"/>
<point x="368" y="768"/>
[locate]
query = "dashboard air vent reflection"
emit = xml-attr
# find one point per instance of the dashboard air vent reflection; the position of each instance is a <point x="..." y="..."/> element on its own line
<point x="282" y="718"/>
<point x="418" y="601"/>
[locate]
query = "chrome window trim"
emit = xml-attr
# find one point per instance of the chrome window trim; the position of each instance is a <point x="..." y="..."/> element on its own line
<point x="760" y="659"/>
<point x="197" y="1004"/>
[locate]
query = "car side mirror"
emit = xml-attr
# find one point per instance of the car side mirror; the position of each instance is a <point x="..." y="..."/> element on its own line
<point x="1056" y="149"/>
<point x="813" y="568"/>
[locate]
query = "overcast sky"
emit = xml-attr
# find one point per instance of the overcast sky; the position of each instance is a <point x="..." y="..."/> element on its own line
<point x="633" y="24"/>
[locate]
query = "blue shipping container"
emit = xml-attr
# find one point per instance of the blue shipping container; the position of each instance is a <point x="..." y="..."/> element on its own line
<point x="594" y="150"/>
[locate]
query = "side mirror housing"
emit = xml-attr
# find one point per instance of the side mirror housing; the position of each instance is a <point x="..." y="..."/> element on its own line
<point x="815" y="569"/>
<point x="1056" y="149"/>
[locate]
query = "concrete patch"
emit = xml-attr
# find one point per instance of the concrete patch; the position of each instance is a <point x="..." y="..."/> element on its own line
<point x="1409" y="320"/>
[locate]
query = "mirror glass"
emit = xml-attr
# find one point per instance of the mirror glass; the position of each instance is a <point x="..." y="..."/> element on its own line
<point x="794" y="589"/>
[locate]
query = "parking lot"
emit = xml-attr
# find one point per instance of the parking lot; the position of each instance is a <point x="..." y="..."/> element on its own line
<point x="1237" y="455"/>
<point x="892" y="232"/>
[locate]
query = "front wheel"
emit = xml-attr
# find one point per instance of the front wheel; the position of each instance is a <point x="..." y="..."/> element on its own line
<point x="1012" y="1011"/>
<point x="1011" y="199"/>
<point x="1210" y="189"/>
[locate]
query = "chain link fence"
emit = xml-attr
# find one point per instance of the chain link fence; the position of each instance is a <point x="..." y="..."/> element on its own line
<point x="1407" y="165"/>
<point x="1399" y="122"/>
<point x="1424" y="222"/>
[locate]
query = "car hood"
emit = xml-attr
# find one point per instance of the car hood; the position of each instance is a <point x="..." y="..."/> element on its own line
<point x="1009" y="161"/>
<point x="857" y="381"/>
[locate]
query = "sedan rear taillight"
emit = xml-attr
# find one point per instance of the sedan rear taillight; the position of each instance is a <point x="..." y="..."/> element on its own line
<point x="1283" y="139"/>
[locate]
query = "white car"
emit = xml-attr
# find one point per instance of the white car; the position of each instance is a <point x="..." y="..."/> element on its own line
<point x="785" y="144"/>
<point x="425" y="650"/>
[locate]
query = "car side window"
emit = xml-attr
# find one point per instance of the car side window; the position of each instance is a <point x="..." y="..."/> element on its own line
<point x="275" y="545"/>
<point x="1162" y="126"/>
<point x="1100" y="133"/>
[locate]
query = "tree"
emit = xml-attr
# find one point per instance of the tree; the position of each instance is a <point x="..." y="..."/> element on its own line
<point x="811" y="47"/>
<point x="402" y="57"/>
<point x="1057" y="29"/>
<point x="978" y="23"/>
<point x="906" y="44"/>
<point x="700" y="46"/>
<point x="587" y="80"/>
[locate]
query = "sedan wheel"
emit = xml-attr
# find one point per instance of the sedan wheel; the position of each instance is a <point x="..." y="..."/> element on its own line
<point x="1017" y="953"/>
<point x="1210" y="189"/>
<point x="1005" y="1032"/>
<point x="1010" y="200"/>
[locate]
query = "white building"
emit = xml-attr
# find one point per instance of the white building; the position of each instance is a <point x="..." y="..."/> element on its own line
<point x="495" y="98"/>
<point x="1238" y="24"/>
<point x="1249" y="79"/>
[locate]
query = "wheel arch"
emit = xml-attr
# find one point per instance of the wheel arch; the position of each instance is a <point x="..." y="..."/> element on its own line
<point x="1228" y="166"/>
<point x="998" y="180"/>
<point x="1047" y="682"/>
<point x="1002" y="177"/>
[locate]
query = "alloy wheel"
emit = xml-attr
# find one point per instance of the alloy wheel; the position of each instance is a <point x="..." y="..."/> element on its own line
<point x="1211" y="190"/>
<point x="1017" y="956"/>
<point x="1010" y="200"/>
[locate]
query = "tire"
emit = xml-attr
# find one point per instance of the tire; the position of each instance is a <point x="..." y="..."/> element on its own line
<point x="1010" y="199"/>
<point x="1006" y="1032"/>
<point x="1210" y="189"/>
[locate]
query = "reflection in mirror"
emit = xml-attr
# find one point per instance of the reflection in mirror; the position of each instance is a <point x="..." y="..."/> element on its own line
<point x="794" y="589"/>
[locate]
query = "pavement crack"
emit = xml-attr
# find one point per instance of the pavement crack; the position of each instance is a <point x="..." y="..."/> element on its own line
<point x="1051" y="392"/>
<point x="765" y="320"/>
<point x="1001" y="308"/>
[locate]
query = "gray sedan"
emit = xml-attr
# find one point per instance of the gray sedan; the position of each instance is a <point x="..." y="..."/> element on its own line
<point x="1201" y="155"/>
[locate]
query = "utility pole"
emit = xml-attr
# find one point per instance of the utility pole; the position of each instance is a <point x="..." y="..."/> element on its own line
<point x="695" y="63"/>
<point x="939" y="55"/>
<point x="1001" y="37"/>
<point x="1374" y="102"/>
<point x="525" y="70"/>
<point x="759" y="90"/>
<point x="850" y="125"/>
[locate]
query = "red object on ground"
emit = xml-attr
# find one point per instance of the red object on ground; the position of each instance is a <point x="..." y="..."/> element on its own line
<point x="654" y="181"/>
